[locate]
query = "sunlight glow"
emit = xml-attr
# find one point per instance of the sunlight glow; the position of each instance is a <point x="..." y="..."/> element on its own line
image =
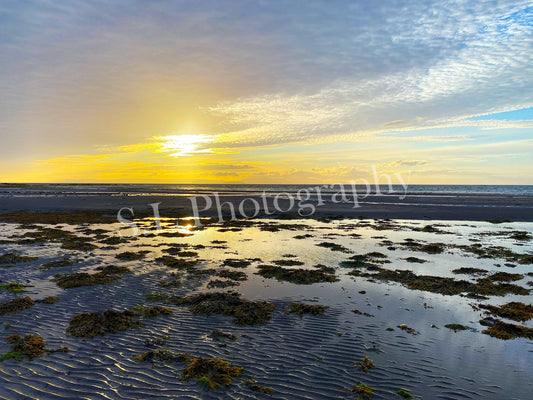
<point x="184" y="145"/>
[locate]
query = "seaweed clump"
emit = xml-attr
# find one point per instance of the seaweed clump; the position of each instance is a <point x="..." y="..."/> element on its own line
<point x="514" y="310"/>
<point x="445" y="286"/>
<point x="295" y="275"/>
<point x="89" y="325"/>
<point x="505" y="331"/>
<point x="151" y="312"/>
<point x="13" y="287"/>
<point x="457" y="327"/>
<point x="178" y="263"/>
<point x="235" y="263"/>
<point x="13" y="258"/>
<point x="366" y="365"/>
<point x="107" y="274"/>
<point x="369" y="261"/>
<point x="165" y="356"/>
<point x="212" y="372"/>
<point x="363" y="390"/>
<point x="469" y="271"/>
<point x="131" y="255"/>
<point x="64" y="262"/>
<point x="301" y="308"/>
<point x="222" y="284"/>
<point x="217" y="334"/>
<point x="334" y="247"/>
<point x="254" y="386"/>
<point x="404" y="394"/>
<point x="409" y="330"/>
<point x="28" y="347"/>
<point x="233" y="275"/>
<point x="415" y="260"/>
<point x="16" y="305"/>
<point x="245" y="312"/>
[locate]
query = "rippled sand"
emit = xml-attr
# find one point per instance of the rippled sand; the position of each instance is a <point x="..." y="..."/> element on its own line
<point x="309" y="357"/>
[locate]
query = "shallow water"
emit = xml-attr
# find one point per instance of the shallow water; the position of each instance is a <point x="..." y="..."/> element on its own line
<point x="299" y="357"/>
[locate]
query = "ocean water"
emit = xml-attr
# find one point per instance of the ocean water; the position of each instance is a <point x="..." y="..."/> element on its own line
<point x="79" y="189"/>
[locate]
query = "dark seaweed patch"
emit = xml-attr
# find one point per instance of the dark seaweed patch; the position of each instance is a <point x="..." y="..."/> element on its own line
<point x="297" y="276"/>
<point x="505" y="331"/>
<point x="245" y="312"/>
<point x="514" y="310"/>
<point x="13" y="258"/>
<point x="16" y="305"/>
<point x="301" y="308"/>
<point x="89" y="325"/>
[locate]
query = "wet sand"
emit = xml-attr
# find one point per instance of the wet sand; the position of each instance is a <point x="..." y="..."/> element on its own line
<point x="298" y="357"/>
<point x="458" y="207"/>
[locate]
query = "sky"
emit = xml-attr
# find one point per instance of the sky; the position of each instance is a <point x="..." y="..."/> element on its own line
<point x="266" y="91"/>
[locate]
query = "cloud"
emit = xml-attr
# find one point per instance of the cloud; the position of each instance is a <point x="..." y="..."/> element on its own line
<point x="84" y="77"/>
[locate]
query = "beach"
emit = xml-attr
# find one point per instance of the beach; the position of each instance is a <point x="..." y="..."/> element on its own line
<point x="427" y="287"/>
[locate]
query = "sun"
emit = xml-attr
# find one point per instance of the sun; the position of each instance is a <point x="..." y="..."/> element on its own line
<point x="184" y="145"/>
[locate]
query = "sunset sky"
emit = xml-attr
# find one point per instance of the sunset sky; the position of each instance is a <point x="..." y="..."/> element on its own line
<point x="266" y="91"/>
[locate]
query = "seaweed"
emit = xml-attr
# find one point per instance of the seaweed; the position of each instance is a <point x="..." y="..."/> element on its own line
<point x="173" y="283"/>
<point x="107" y="274"/>
<point x="301" y="308"/>
<point x="173" y="262"/>
<point x="504" y="277"/>
<point x="64" y="262"/>
<point x="495" y="252"/>
<point x="13" y="287"/>
<point x="297" y="276"/>
<point x="245" y="312"/>
<point x="404" y="394"/>
<point x="233" y="275"/>
<point x="366" y="365"/>
<point x="131" y="256"/>
<point x="369" y="260"/>
<point x="217" y="334"/>
<point x="334" y="247"/>
<point x="165" y="356"/>
<point x="16" y="305"/>
<point x="288" y="263"/>
<point x="469" y="271"/>
<point x="212" y="372"/>
<point x="154" y="296"/>
<point x="513" y="310"/>
<point x="235" y="263"/>
<point x="363" y="390"/>
<point x="300" y="237"/>
<point x="48" y="300"/>
<point x="28" y="347"/>
<point x="151" y="312"/>
<point x="13" y="258"/>
<point x="254" y="386"/>
<point x="219" y="283"/>
<point x="457" y="327"/>
<point x="89" y="325"/>
<point x="415" y="260"/>
<point x="409" y="330"/>
<point x="442" y="285"/>
<point x="362" y="313"/>
<point x="505" y="331"/>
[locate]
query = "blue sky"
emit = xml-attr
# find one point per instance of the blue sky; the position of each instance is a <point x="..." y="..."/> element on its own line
<point x="271" y="91"/>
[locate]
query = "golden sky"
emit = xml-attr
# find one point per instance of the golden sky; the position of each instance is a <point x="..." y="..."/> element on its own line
<point x="300" y="92"/>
